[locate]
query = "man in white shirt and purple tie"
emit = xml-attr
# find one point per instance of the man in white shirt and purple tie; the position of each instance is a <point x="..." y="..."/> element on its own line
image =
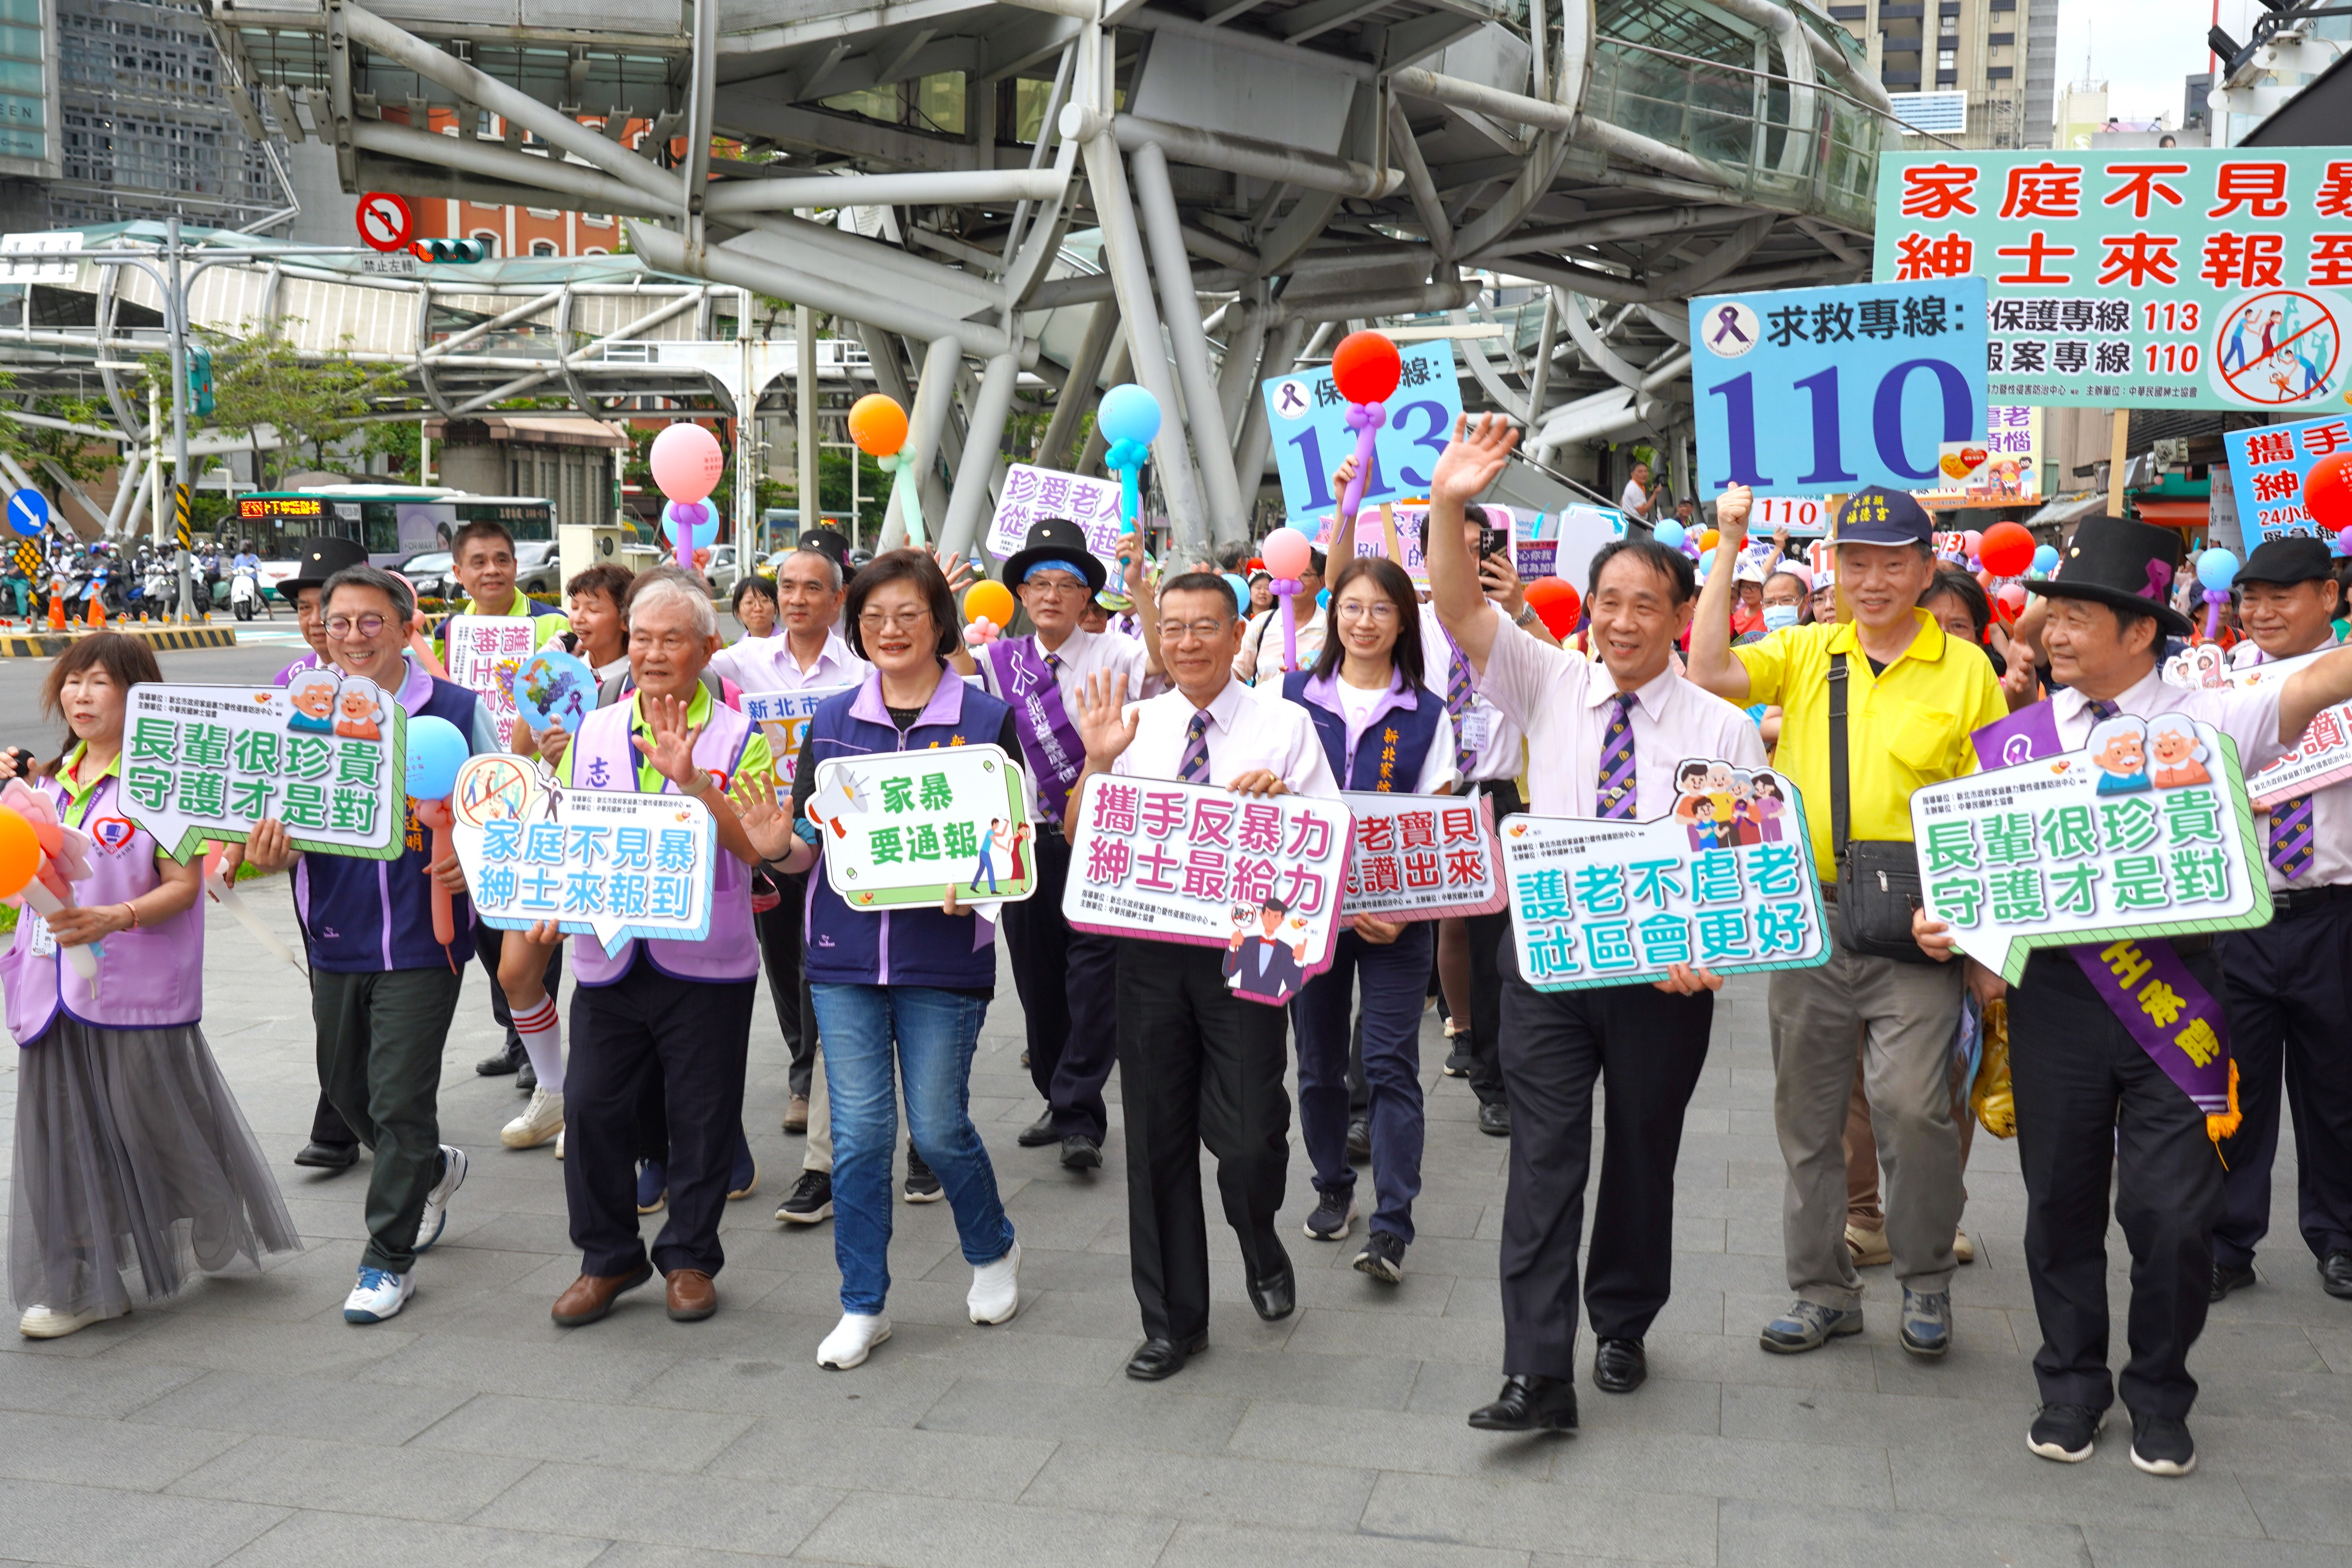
<point x="1603" y="739"/>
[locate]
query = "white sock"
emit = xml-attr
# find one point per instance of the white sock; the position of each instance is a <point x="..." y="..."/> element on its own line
<point x="542" y="1029"/>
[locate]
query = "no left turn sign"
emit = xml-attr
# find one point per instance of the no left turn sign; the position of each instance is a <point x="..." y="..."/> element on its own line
<point x="385" y="222"/>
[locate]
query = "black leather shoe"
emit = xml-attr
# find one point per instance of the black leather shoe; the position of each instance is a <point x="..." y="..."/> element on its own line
<point x="1494" y="1120"/>
<point x="1038" y="1133"/>
<point x="2229" y="1276"/>
<point x="1619" y="1366"/>
<point x="1277" y="1295"/>
<point x="506" y="1061"/>
<point x="1080" y="1153"/>
<point x="1359" y="1142"/>
<point x="1164" y="1358"/>
<point x="2335" y="1273"/>
<point x="327" y="1156"/>
<point x="1529" y="1405"/>
<point x="526" y="1078"/>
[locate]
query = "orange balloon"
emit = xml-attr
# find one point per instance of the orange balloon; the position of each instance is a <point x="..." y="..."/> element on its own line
<point x="1707" y="540"/>
<point x="990" y="599"/>
<point x="20" y="853"/>
<point x="877" y="424"/>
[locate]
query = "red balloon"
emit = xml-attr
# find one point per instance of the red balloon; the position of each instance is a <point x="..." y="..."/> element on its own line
<point x="2006" y="550"/>
<point x="1555" y="600"/>
<point x="2327" y="491"/>
<point x="1367" y="367"/>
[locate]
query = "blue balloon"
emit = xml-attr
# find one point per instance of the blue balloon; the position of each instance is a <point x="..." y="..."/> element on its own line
<point x="1129" y="412"/>
<point x="1670" y="534"/>
<point x="436" y="750"/>
<point x="2216" y="569"/>
<point x="2046" y="559"/>
<point x="1322" y="598"/>
<point x="1240" y="585"/>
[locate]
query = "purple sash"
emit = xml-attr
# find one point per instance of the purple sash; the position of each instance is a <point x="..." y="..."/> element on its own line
<point x="1049" y="741"/>
<point x="2141" y="979"/>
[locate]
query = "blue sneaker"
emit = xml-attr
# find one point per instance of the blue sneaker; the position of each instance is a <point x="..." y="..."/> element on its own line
<point x="653" y="1186"/>
<point x="1926" y="1322"/>
<point x="379" y="1294"/>
<point x="1808" y="1326"/>
<point x="436" y="1217"/>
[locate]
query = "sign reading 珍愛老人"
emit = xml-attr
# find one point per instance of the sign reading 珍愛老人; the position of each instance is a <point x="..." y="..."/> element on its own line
<point x="2170" y="278"/>
<point x="323" y="754"/>
<point x="1032" y="494"/>
<point x="2268" y="464"/>
<point x="485" y="653"/>
<point x="1261" y="878"/>
<point x="1722" y="882"/>
<point x="902" y="827"/>
<point x="1423" y="856"/>
<point x="1309" y="419"/>
<point x="2145" y="833"/>
<point x="1821" y="391"/>
<point x="784" y="717"/>
<point x="2324" y="754"/>
<point x="609" y="864"/>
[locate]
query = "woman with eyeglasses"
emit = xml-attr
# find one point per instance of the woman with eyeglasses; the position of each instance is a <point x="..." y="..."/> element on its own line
<point x="1384" y="732"/>
<point x="899" y="994"/>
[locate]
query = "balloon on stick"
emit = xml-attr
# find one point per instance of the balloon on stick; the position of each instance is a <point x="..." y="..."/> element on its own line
<point x="1556" y="603"/>
<point x="2045" y="560"/>
<point x="436" y="750"/>
<point x="2216" y="570"/>
<point x="990" y="600"/>
<point x="1670" y="534"/>
<point x="878" y="425"/>
<point x="1288" y="554"/>
<point x="1365" y="368"/>
<point x="2327" y="491"/>
<point x="22" y="864"/>
<point x="1129" y="419"/>
<point x="2006" y="550"/>
<point x="685" y="463"/>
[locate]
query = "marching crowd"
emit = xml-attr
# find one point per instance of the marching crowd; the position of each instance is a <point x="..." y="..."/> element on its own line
<point x="134" y="1167"/>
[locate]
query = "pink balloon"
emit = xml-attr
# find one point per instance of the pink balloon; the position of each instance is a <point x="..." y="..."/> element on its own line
<point x="1287" y="552"/>
<point x="1973" y="540"/>
<point x="687" y="461"/>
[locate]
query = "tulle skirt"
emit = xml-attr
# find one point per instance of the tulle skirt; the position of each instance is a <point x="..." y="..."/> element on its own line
<point x="133" y="1162"/>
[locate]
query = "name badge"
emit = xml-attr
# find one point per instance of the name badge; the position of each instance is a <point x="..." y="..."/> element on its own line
<point x="1477" y="727"/>
<point x="45" y="945"/>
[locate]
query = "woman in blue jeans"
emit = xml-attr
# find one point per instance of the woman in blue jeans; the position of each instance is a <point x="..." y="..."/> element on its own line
<point x="899" y="994"/>
<point x="1384" y="732"/>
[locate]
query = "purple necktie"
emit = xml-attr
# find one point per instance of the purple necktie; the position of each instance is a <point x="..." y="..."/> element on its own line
<point x="2291" y="836"/>
<point x="1194" y="768"/>
<point x="1457" y="699"/>
<point x="1620" y="785"/>
<point x="2101" y="709"/>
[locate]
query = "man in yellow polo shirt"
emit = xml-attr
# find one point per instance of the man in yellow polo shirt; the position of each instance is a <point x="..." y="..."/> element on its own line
<point x="1913" y="699"/>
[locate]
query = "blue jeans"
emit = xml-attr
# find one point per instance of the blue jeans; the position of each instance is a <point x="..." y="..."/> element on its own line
<point x="933" y="1032"/>
<point x="1395" y="981"/>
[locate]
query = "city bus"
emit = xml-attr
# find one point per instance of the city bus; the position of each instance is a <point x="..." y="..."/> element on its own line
<point x="394" y="522"/>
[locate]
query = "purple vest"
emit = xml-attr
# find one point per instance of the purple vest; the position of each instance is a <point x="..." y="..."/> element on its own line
<point x="731" y="951"/>
<point x="152" y="978"/>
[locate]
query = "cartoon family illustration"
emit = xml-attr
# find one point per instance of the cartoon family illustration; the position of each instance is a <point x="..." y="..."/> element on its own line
<point x="329" y="702"/>
<point x="1725" y="807"/>
<point x="2123" y="748"/>
<point x="1261" y="964"/>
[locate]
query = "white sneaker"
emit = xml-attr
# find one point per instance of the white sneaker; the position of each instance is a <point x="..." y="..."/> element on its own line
<point x="41" y="1323"/>
<point x="851" y="1340"/>
<point x="436" y="1216"/>
<point x="996" y="1288"/>
<point x="542" y="1120"/>
<point x="559" y="1145"/>
<point x="379" y="1294"/>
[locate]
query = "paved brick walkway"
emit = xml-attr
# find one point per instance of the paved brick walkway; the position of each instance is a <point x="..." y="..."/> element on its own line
<point x="248" y="1424"/>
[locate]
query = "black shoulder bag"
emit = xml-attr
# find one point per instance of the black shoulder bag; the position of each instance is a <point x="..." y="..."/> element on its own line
<point x="1877" y="879"/>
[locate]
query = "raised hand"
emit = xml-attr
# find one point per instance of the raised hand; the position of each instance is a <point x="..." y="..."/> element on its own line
<point x="767" y="815"/>
<point x="1500" y="580"/>
<point x="1473" y="459"/>
<point x="1131" y="564"/>
<point x="1103" y="723"/>
<point x="671" y="750"/>
<point x="957" y="569"/>
<point x="1731" y="522"/>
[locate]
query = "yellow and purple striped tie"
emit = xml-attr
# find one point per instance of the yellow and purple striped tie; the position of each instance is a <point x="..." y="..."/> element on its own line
<point x="1194" y="768"/>
<point x="1620" y="782"/>
<point x="2291" y="836"/>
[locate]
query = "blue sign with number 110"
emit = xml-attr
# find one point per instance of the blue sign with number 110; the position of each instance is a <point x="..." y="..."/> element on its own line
<point x="1311" y="436"/>
<point x="1822" y="391"/>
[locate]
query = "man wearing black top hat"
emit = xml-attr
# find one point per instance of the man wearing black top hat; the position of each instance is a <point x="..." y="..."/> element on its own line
<point x="1065" y="978"/>
<point x="2092" y="1102"/>
<point x="2290" y="984"/>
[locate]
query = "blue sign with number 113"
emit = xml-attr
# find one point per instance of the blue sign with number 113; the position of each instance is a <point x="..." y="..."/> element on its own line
<point x="1311" y="436"/>
<point x="1823" y="391"/>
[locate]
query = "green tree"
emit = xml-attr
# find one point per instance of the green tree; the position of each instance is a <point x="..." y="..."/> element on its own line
<point x="264" y="381"/>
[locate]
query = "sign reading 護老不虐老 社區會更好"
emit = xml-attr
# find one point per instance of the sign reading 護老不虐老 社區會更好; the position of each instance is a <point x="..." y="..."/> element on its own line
<point x="902" y="827"/>
<point x="2268" y="464"/>
<point x="2165" y="277"/>
<point x="1823" y="391"/>
<point x="1422" y="856"/>
<point x="784" y="717"/>
<point x="1310" y="421"/>
<point x="1722" y="882"/>
<point x="2145" y="833"/>
<point x="1262" y="879"/>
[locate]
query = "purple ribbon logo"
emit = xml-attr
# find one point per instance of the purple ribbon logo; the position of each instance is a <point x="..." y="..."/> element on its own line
<point x="1728" y="329"/>
<point x="2159" y="577"/>
<point x="1727" y="321"/>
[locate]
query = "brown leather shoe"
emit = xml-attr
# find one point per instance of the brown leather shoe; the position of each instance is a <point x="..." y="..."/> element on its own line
<point x="796" y="1114"/>
<point x="692" y="1296"/>
<point x="591" y="1296"/>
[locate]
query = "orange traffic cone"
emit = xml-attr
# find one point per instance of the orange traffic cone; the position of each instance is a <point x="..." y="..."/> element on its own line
<point x="97" y="612"/>
<point x="56" y="607"/>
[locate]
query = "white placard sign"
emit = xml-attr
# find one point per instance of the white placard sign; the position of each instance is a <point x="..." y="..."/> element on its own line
<point x="902" y="827"/>
<point x="1032" y="494"/>
<point x="783" y="717"/>
<point x="1423" y="856"/>
<point x="484" y="653"/>
<point x="2324" y="754"/>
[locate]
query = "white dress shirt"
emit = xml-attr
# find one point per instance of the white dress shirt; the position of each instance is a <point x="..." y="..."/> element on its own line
<point x="1248" y="730"/>
<point x="1082" y="653"/>
<point x="2331" y="811"/>
<point x="766" y="664"/>
<point x="1500" y="756"/>
<point x="1565" y="703"/>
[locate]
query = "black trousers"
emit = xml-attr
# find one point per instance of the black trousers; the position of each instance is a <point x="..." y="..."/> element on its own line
<point x="1651" y="1047"/>
<point x="489" y="942"/>
<point x="328" y="1126"/>
<point x="2090" y="1102"/>
<point x="1197" y="1065"/>
<point x="2290" y="1002"/>
<point x="647" y="1031"/>
<point x="781" y="931"/>
<point x="1067" y="981"/>
<point x="1488" y="934"/>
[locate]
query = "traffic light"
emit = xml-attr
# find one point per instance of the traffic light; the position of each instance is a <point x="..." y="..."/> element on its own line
<point x="451" y="250"/>
<point x="200" y="379"/>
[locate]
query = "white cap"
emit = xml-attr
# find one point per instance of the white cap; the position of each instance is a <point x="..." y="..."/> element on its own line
<point x="1751" y="571"/>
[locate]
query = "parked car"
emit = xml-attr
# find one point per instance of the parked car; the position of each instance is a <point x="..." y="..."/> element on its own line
<point x="722" y="570"/>
<point x="429" y="573"/>
<point x="539" y="568"/>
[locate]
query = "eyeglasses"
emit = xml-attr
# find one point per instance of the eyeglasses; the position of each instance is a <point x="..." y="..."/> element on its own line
<point x="1381" y="613"/>
<point x="343" y="627"/>
<point x="1193" y="631"/>
<point x="1053" y="585"/>
<point x="904" y="621"/>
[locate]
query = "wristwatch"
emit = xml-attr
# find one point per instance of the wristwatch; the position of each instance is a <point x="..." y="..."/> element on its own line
<point x="1525" y="617"/>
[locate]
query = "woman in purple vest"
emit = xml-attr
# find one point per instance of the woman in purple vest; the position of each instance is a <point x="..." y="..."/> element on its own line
<point x="901" y="993"/>
<point x="1384" y="732"/>
<point x="130" y="1151"/>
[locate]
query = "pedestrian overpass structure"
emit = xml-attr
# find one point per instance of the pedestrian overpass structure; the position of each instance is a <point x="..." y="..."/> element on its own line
<point x="1012" y="205"/>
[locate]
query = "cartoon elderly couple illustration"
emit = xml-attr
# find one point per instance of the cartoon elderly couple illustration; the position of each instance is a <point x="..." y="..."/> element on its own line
<point x="327" y="702"/>
<point x="2124" y="746"/>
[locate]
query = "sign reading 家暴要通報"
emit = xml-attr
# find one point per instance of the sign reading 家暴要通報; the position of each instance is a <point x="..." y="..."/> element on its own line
<point x="902" y="827"/>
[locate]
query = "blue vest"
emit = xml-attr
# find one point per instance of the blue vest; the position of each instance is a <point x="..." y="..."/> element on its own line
<point x="902" y="946"/>
<point x="366" y="917"/>
<point x="1390" y="753"/>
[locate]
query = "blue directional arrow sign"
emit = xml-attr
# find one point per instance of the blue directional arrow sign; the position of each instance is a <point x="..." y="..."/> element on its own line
<point x="28" y="512"/>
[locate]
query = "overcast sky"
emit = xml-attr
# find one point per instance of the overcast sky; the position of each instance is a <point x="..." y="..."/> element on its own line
<point x="2142" y="49"/>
